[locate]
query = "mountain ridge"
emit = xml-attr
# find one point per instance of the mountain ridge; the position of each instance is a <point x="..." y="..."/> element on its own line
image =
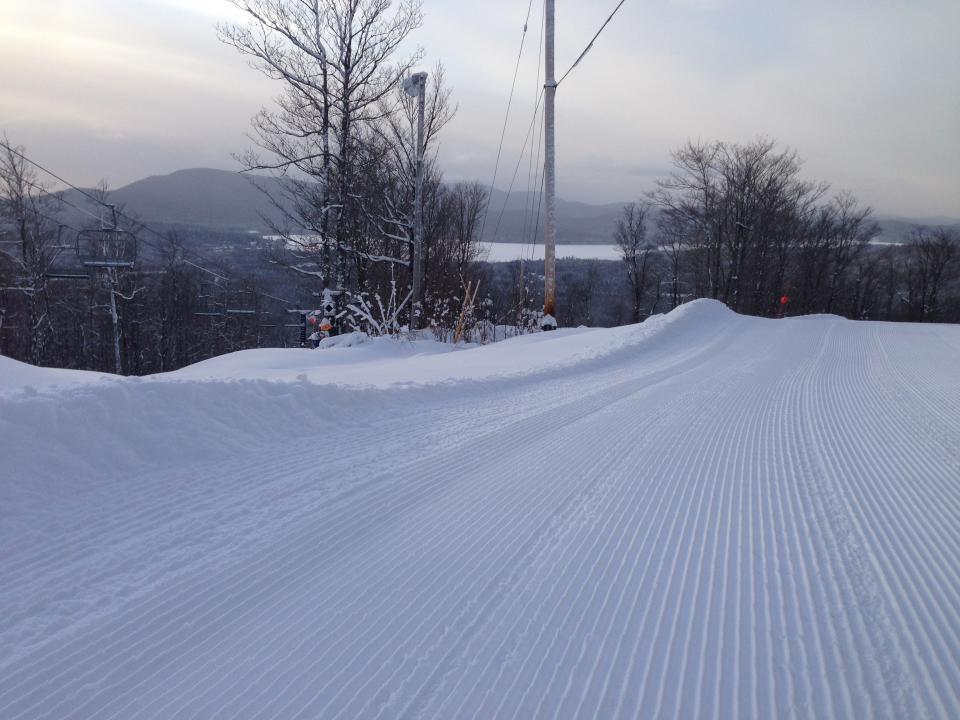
<point x="229" y="201"/>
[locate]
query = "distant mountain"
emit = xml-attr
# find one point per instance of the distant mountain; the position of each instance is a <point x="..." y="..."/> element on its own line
<point x="515" y="219"/>
<point x="214" y="199"/>
<point x="897" y="230"/>
<point x="581" y="223"/>
<point x="227" y="201"/>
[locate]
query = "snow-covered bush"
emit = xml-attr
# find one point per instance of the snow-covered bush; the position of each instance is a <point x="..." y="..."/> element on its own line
<point x="371" y="315"/>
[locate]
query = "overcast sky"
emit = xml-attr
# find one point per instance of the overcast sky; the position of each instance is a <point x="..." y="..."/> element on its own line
<point x="868" y="91"/>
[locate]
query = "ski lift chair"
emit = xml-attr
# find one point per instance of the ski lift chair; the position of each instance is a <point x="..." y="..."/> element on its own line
<point x="107" y="249"/>
<point x="70" y="270"/>
<point x="212" y="300"/>
<point x="241" y="302"/>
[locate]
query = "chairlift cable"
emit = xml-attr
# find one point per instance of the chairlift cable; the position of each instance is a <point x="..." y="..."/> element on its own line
<point x="536" y="229"/>
<point x="516" y="170"/>
<point x="541" y="176"/>
<point x="534" y="169"/>
<point x="506" y="119"/>
<point x="132" y="220"/>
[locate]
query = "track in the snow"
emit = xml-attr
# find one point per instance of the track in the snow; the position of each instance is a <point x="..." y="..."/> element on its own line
<point x="734" y="518"/>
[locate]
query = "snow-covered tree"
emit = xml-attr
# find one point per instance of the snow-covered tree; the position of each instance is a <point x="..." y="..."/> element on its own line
<point x="339" y="65"/>
<point x="28" y="248"/>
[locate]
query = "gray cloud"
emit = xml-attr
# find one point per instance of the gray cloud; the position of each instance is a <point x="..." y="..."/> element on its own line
<point x="867" y="91"/>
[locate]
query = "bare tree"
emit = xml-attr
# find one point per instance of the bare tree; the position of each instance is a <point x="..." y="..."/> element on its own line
<point x="692" y="197"/>
<point x="29" y="246"/>
<point x="751" y="230"/>
<point x="933" y="254"/>
<point x="852" y="230"/>
<point x="468" y="202"/>
<point x="631" y="238"/>
<point x="578" y="308"/>
<point x="336" y="60"/>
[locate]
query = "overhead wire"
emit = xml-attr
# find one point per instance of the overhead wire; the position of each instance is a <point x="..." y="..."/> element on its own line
<point x="539" y="178"/>
<point x="589" y="46"/>
<point x="225" y="278"/>
<point x="536" y="229"/>
<point x="99" y="218"/>
<point x="580" y="57"/>
<point x="141" y="225"/>
<point x="120" y="214"/>
<point x="536" y="108"/>
<point x="530" y="229"/>
<point x="516" y="171"/>
<point x="534" y="182"/>
<point x="533" y="172"/>
<point x="506" y="119"/>
<point x="112" y="208"/>
<point x="64" y="201"/>
<point x="134" y="221"/>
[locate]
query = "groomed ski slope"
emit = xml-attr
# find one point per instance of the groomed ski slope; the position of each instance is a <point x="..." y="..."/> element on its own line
<point x="702" y="516"/>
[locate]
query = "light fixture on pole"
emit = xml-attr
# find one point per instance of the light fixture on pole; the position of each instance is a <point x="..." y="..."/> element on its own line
<point x="416" y="86"/>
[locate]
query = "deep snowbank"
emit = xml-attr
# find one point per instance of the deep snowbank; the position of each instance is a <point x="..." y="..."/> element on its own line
<point x="92" y="426"/>
<point x="17" y="377"/>
<point x="389" y="362"/>
<point x="385" y="362"/>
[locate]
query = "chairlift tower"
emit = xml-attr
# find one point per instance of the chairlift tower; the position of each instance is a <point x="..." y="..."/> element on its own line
<point x="109" y="250"/>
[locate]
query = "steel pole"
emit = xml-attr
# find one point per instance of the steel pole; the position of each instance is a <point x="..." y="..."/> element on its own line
<point x="418" y="209"/>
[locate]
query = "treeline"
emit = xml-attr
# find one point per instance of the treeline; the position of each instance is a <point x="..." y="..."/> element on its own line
<point x="733" y="223"/>
<point x="739" y="224"/>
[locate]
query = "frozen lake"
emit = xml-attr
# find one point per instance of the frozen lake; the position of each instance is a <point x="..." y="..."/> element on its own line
<point x="508" y="252"/>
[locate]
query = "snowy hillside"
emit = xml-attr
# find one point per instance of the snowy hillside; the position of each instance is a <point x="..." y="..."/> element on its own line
<point x="705" y="515"/>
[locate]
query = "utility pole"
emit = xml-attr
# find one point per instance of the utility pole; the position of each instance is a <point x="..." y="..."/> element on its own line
<point x="416" y="86"/>
<point x="549" y="175"/>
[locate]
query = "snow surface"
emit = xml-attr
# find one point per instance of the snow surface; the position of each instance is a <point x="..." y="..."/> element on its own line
<point x="705" y="515"/>
<point x="17" y="377"/>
